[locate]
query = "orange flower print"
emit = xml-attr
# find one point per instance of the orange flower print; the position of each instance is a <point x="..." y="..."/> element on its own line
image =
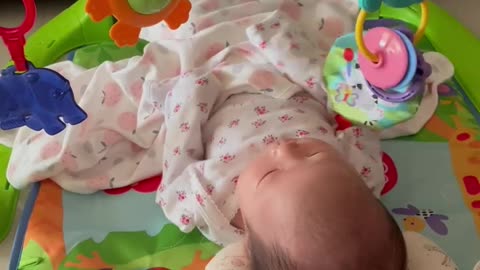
<point x="357" y="132"/>
<point x="275" y="25"/>
<point x="310" y="82"/>
<point x="227" y="158"/>
<point x="302" y="133"/>
<point x="294" y="46"/>
<point x="185" y="220"/>
<point x="284" y="118"/>
<point x="234" y="123"/>
<point x="203" y="107"/>
<point x="260" y="27"/>
<point x="222" y="141"/>
<point x="202" y="82"/>
<point x="177" y="108"/>
<point x="210" y="189"/>
<point x="184" y="127"/>
<point x="259" y="123"/>
<point x="263" y="45"/>
<point x="365" y="171"/>
<point x="323" y="130"/>
<point x="181" y="195"/>
<point x="269" y="139"/>
<point x="261" y="110"/>
<point x="200" y="199"/>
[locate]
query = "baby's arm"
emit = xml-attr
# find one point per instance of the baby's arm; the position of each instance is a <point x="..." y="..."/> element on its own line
<point x="194" y="190"/>
<point x="202" y="196"/>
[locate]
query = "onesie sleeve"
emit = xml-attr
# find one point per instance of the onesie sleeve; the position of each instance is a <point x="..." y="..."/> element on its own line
<point x="193" y="192"/>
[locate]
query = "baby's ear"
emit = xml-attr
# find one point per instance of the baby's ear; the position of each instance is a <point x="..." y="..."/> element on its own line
<point x="231" y="257"/>
<point x="442" y="68"/>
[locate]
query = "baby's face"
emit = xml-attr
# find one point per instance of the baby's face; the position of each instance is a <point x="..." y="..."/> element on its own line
<point x="294" y="179"/>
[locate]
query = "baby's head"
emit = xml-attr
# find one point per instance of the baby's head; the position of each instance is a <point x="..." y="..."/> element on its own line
<point x="306" y="208"/>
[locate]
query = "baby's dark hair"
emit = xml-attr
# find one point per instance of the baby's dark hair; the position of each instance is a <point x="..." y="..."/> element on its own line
<point x="274" y="257"/>
<point x="268" y="257"/>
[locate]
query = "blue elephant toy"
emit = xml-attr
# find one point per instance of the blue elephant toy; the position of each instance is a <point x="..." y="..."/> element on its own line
<point x="374" y="5"/>
<point x="39" y="99"/>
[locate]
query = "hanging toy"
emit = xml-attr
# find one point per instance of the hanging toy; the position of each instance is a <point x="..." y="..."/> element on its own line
<point x="388" y="58"/>
<point x="38" y="98"/>
<point x="133" y="15"/>
<point x="377" y="77"/>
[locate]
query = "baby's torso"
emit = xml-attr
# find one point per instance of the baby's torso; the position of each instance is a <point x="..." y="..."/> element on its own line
<point x="252" y="121"/>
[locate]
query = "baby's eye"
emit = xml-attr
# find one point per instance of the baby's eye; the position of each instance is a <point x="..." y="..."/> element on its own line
<point x="265" y="176"/>
<point x="268" y="173"/>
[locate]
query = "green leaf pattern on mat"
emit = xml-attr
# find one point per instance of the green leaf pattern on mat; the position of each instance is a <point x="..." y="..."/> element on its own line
<point x="93" y="55"/>
<point x="176" y="258"/>
<point x="449" y="107"/>
<point x="34" y="258"/>
<point x="170" y="248"/>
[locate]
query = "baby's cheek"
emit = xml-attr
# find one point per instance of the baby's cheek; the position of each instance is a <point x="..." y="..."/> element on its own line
<point x="244" y="191"/>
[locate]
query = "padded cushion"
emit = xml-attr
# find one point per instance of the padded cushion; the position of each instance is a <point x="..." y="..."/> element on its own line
<point x="423" y="254"/>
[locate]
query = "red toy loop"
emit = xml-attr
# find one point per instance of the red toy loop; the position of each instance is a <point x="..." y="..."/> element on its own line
<point x="14" y="38"/>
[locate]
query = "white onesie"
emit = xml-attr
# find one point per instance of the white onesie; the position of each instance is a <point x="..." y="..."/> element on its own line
<point x="218" y="126"/>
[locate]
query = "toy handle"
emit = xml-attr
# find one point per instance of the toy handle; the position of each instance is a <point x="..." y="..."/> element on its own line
<point x="14" y="38"/>
<point x="54" y="40"/>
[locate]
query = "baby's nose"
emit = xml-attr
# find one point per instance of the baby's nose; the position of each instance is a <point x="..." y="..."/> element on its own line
<point x="289" y="149"/>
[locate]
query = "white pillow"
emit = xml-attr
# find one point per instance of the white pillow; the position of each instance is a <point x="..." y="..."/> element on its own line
<point x="232" y="257"/>
<point x="422" y="253"/>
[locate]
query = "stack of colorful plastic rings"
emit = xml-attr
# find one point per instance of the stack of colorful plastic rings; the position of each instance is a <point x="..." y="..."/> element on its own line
<point x="389" y="61"/>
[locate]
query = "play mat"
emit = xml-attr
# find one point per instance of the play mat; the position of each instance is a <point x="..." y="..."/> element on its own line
<point x="432" y="184"/>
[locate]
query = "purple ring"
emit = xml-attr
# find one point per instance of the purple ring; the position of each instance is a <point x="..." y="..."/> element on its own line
<point x="416" y="88"/>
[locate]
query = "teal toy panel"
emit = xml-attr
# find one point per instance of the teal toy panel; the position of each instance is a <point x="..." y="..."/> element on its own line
<point x="374" y="5"/>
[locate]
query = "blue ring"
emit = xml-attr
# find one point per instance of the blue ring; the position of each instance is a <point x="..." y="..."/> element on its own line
<point x="412" y="65"/>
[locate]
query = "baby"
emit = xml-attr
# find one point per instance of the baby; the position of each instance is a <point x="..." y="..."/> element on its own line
<point x="305" y="208"/>
<point x="268" y="167"/>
